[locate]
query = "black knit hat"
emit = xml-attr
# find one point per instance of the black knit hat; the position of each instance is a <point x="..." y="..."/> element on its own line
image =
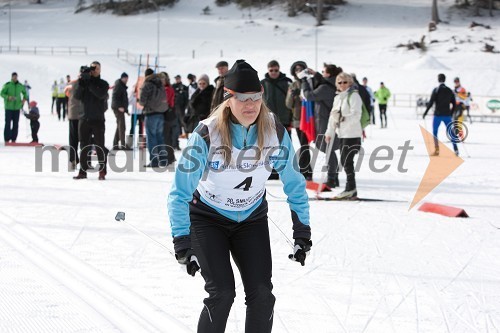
<point x="123" y="75"/>
<point x="241" y="78"/>
<point x="148" y="72"/>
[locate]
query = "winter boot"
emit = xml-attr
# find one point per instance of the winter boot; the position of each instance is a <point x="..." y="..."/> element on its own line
<point x="332" y="183"/>
<point x="81" y="175"/>
<point x="350" y="191"/>
<point x="102" y="175"/>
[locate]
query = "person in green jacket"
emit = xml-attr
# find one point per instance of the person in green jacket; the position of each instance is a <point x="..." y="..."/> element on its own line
<point x="382" y="95"/>
<point x="14" y="95"/>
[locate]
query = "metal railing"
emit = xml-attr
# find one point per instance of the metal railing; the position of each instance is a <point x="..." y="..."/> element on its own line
<point x="45" y="50"/>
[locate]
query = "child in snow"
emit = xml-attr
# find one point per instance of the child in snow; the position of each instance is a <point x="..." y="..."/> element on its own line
<point x="33" y="116"/>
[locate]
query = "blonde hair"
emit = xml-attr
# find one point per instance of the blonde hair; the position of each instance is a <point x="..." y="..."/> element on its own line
<point x="345" y="76"/>
<point x="265" y="126"/>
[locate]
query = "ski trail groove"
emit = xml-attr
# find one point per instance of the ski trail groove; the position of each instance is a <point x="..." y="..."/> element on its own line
<point x="128" y="311"/>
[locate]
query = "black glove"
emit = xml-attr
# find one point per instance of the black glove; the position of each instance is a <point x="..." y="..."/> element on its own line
<point x="295" y="92"/>
<point x="188" y="258"/>
<point x="301" y="250"/>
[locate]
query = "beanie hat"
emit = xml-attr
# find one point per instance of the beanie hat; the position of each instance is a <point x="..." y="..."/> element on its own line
<point x="14" y="73"/>
<point x="148" y="72"/>
<point x="204" y="77"/>
<point x="295" y="64"/>
<point x="123" y="75"/>
<point x="190" y="76"/>
<point x="33" y="104"/>
<point x="441" y="77"/>
<point x="241" y="78"/>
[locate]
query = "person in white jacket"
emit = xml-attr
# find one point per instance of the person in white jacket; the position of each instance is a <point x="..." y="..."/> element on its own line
<point x="345" y="121"/>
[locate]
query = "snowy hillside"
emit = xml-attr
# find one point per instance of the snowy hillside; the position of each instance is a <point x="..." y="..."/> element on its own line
<point x="66" y="265"/>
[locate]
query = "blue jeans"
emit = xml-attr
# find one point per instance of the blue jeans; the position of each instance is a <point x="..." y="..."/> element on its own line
<point x="156" y="143"/>
<point x="447" y="122"/>
<point x="10" y="133"/>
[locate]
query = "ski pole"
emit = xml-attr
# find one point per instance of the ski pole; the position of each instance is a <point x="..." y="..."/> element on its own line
<point x="285" y="236"/>
<point x="120" y="217"/>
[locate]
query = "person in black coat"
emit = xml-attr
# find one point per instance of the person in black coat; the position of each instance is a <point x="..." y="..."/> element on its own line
<point x="119" y="104"/>
<point x="199" y="104"/>
<point x="93" y="92"/>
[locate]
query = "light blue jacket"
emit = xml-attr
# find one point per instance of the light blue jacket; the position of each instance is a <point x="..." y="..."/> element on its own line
<point x="194" y="159"/>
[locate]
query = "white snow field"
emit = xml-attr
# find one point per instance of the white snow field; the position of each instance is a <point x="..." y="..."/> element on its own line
<point x="66" y="265"/>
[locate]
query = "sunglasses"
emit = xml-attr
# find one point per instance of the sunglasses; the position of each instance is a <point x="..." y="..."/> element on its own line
<point x="342" y="82"/>
<point x="245" y="97"/>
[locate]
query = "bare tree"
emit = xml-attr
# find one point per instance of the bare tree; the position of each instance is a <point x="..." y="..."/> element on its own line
<point x="476" y="7"/>
<point x="319" y="13"/>
<point x="435" y="14"/>
<point x="292" y="8"/>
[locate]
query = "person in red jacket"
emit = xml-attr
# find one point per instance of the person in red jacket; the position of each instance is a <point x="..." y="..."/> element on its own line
<point x="170" y="118"/>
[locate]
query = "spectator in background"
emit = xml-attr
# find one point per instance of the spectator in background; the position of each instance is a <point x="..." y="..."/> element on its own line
<point x="61" y="100"/>
<point x="276" y="86"/>
<point x="372" y="100"/>
<point x="218" y="97"/>
<point x="382" y="95"/>
<point x="200" y="102"/>
<point x="75" y="112"/>
<point x="192" y="86"/>
<point x="119" y="105"/>
<point x="93" y="92"/>
<point x="294" y="102"/>
<point x="345" y="121"/>
<point x="14" y="96"/>
<point x="170" y="126"/>
<point x="154" y="99"/>
<point x="322" y="96"/>
<point x="27" y="87"/>
<point x="33" y="116"/>
<point x="54" y="89"/>
<point x="181" y="102"/>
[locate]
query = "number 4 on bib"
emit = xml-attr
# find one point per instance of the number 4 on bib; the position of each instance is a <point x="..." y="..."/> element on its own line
<point x="247" y="183"/>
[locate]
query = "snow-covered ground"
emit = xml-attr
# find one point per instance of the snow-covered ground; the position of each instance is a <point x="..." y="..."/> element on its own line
<point x="66" y="265"/>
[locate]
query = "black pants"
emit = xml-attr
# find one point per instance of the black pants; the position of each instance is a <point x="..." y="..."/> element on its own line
<point x="304" y="155"/>
<point x="333" y="162"/>
<point x="11" y="125"/>
<point x="73" y="140"/>
<point x="214" y="238"/>
<point x="372" y="114"/>
<point x="35" y="126"/>
<point x="86" y="130"/>
<point x="168" y="135"/>
<point x="61" y="104"/>
<point x="120" y="129"/>
<point x="349" y="147"/>
<point x="383" y="114"/>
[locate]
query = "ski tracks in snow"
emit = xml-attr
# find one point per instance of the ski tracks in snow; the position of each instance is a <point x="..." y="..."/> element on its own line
<point x="126" y="310"/>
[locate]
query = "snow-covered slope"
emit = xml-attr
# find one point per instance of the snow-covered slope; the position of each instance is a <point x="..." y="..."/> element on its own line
<point x="67" y="266"/>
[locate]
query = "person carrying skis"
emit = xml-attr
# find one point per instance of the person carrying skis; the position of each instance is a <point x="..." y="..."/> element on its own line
<point x="217" y="205"/>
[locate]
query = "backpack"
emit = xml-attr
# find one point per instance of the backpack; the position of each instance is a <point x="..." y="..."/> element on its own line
<point x="365" y="115"/>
